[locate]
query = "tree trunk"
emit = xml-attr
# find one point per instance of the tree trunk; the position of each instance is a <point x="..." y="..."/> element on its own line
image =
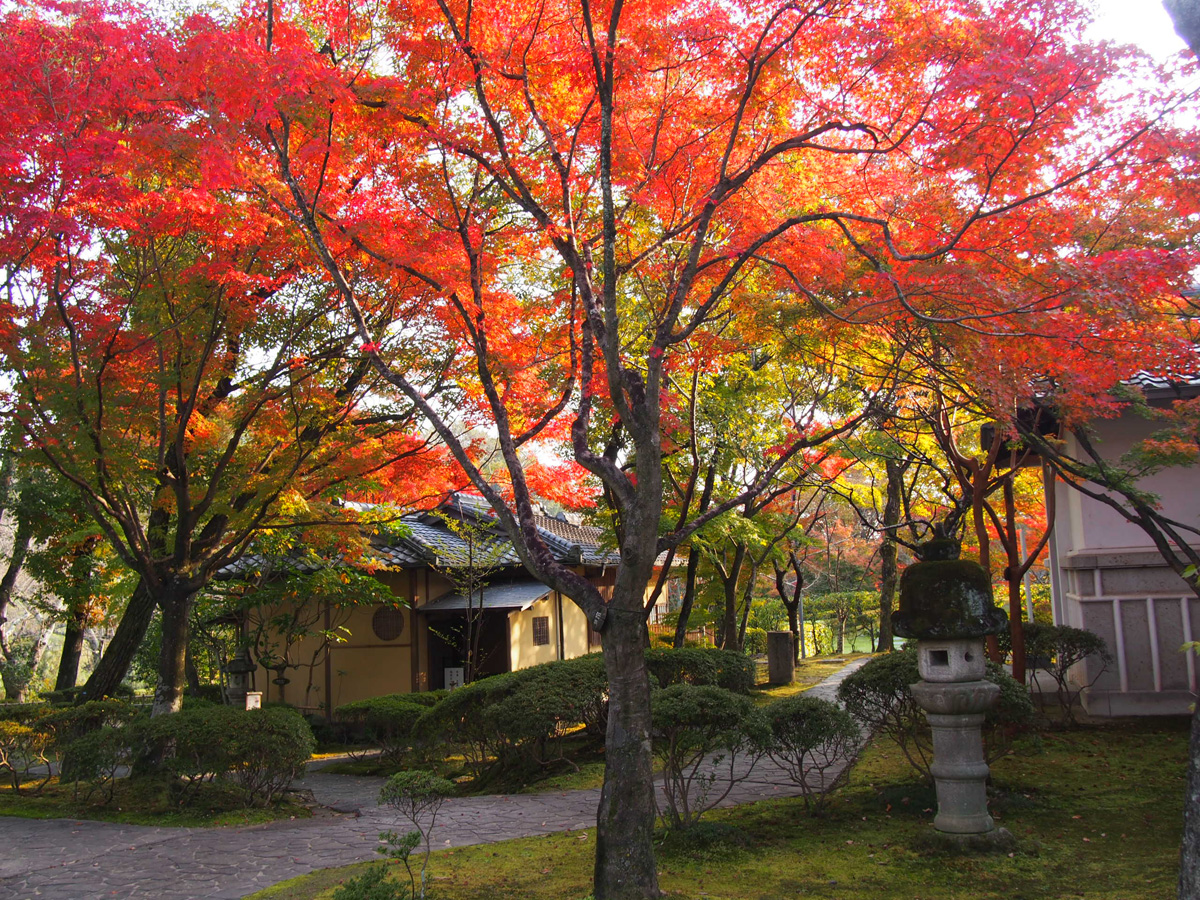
<point x="176" y="606"/>
<point x="18" y="678"/>
<point x="72" y="652"/>
<point x="747" y="600"/>
<point x="1189" y="851"/>
<point x="689" y="597"/>
<point x="1016" y="630"/>
<point x="114" y="664"/>
<point x="191" y="672"/>
<point x="625" y="867"/>
<point x="727" y="639"/>
<point x="888" y="554"/>
<point x="21" y="541"/>
<point x="1012" y="575"/>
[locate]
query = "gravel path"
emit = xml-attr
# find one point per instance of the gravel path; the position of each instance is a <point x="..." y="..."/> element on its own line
<point x="64" y="859"/>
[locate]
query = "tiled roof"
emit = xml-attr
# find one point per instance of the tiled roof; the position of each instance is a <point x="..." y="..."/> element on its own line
<point x="1153" y="382"/>
<point x="516" y="595"/>
<point x="576" y="534"/>
<point x="424" y="539"/>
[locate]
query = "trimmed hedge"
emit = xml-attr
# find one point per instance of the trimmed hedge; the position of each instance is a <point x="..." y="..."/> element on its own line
<point x="387" y="721"/>
<point x="701" y="666"/>
<point x="517" y="720"/>
<point x="259" y="751"/>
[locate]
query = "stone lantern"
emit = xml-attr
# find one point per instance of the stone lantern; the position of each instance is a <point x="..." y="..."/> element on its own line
<point x="946" y="605"/>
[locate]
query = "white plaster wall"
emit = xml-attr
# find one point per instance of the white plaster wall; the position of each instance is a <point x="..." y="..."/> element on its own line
<point x="1090" y="525"/>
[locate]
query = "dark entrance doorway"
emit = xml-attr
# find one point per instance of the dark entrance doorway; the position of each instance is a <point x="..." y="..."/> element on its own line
<point x="447" y="644"/>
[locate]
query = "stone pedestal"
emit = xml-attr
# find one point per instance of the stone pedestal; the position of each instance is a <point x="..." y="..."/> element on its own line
<point x="955" y="711"/>
<point x="781" y="657"/>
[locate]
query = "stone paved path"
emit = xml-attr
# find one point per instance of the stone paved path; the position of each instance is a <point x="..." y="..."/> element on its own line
<point x="62" y="859"/>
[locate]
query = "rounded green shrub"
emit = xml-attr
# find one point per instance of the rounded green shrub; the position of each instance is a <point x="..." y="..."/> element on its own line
<point x="701" y="666"/>
<point x="812" y="741"/>
<point x="268" y="750"/>
<point x="699" y="732"/>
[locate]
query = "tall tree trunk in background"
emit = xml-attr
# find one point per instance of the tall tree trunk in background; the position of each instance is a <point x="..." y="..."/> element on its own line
<point x="888" y="556"/>
<point x="793" y="603"/>
<point x="727" y="638"/>
<point x="21" y="541"/>
<point x="15" y="683"/>
<point x="72" y="652"/>
<point x="689" y="592"/>
<point x="747" y="600"/>
<point x="118" y="655"/>
<point x="193" y="674"/>
<point x="689" y="598"/>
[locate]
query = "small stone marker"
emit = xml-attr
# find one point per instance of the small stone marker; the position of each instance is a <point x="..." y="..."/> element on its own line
<point x="781" y="657"/>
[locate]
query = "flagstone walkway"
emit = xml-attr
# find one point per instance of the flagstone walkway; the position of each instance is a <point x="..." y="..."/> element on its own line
<point x="63" y="859"/>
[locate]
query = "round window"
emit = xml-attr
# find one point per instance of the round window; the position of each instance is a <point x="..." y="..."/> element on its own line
<point x="388" y="623"/>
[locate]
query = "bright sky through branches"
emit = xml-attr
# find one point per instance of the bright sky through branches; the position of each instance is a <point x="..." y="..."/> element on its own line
<point x="1141" y="22"/>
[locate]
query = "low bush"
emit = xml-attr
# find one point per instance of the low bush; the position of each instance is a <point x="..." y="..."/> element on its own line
<point x="268" y="751"/>
<point x="96" y="758"/>
<point x="878" y="696"/>
<point x="807" y="738"/>
<point x="701" y="666"/>
<point x="756" y="641"/>
<point x="1063" y="647"/>
<point x="24" y="748"/>
<point x="258" y="751"/>
<point x="24" y="713"/>
<point x="699" y="733"/>
<point x="515" y="722"/>
<point x="372" y="884"/>
<point x="460" y="719"/>
<point x="387" y="721"/>
<point x="427" y="698"/>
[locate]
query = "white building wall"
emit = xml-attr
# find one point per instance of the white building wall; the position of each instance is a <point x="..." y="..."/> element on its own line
<point x="1110" y="579"/>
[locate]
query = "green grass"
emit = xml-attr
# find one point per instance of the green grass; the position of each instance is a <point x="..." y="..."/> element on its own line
<point x="144" y="801"/>
<point x="1096" y="812"/>
<point x="809" y="672"/>
<point x="587" y="771"/>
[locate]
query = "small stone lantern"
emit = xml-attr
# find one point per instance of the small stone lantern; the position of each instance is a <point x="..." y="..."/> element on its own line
<point x="238" y="669"/>
<point x="946" y="605"/>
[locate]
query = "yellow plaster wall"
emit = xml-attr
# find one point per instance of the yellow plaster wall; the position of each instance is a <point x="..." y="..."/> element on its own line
<point x="575" y="630"/>
<point x="522" y="651"/>
<point x="363" y="666"/>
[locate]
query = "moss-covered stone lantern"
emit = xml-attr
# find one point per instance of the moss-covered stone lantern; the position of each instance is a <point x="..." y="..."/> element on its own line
<point x="944" y="597"/>
<point x="946" y="606"/>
